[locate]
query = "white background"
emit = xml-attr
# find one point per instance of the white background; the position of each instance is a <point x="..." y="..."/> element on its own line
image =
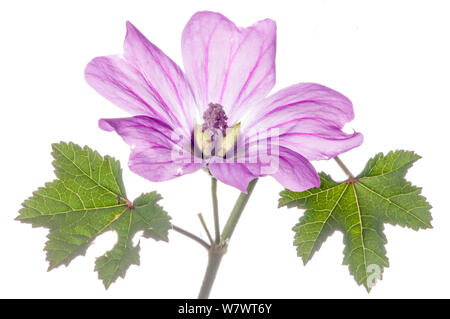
<point x="391" y="58"/>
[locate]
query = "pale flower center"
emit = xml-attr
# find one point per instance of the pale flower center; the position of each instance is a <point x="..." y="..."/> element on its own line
<point x="214" y="137"/>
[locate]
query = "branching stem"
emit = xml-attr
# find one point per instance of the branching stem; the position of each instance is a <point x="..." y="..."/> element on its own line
<point x="191" y="236"/>
<point x="216" y="252"/>
<point x="202" y="221"/>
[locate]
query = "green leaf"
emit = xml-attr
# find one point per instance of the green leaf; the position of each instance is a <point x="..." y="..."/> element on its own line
<point x="86" y="200"/>
<point x="359" y="208"/>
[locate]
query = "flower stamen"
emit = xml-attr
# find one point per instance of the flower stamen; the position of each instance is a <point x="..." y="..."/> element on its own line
<point x="215" y="118"/>
<point x="214" y="137"/>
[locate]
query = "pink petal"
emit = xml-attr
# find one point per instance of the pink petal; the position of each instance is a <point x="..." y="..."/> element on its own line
<point x="162" y="74"/>
<point x="318" y="141"/>
<point x="295" y="172"/>
<point x="229" y="65"/>
<point x="233" y="174"/>
<point x="308" y="118"/>
<point x="299" y="101"/>
<point x="158" y="152"/>
<point x="119" y="82"/>
<point x="289" y="168"/>
<point x="144" y="82"/>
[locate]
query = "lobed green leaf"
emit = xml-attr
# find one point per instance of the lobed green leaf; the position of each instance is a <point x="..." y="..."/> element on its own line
<point x="359" y="208"/>
<point x="86" y="200"/>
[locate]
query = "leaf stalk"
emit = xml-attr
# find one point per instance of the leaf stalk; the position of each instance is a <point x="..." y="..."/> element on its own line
<point x="344" y="167"/>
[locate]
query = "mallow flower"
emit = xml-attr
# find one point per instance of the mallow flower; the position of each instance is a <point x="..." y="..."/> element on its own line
<point x="183" y="121"/>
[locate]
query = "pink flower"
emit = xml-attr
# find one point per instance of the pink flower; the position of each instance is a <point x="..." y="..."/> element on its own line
<point x="228" y="73"/>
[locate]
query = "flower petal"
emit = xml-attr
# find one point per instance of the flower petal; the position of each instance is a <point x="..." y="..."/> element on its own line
<point x="302" y="100"/>
<point x="229" y="65"/>
<point x="144" y="82"/>
<point x="289" y="168"/>
<point x="121" y="83"/>
<point x="158" y="152"/>
<point x="308" y="118"/>
<point x="317" y="140"/>
<point x="233" y="174"/>
<point x="162" y="75"/>
<point x="295" y="172"/>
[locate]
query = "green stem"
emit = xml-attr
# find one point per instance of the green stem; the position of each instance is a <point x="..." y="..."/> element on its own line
<point x="191" y="236"/>
<point x="202" y="221"/>
<point x="215" y="255"/>
<point x="216" y="252"/>
<point x="215" y="209"/>
<point x="237" y="211"/>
